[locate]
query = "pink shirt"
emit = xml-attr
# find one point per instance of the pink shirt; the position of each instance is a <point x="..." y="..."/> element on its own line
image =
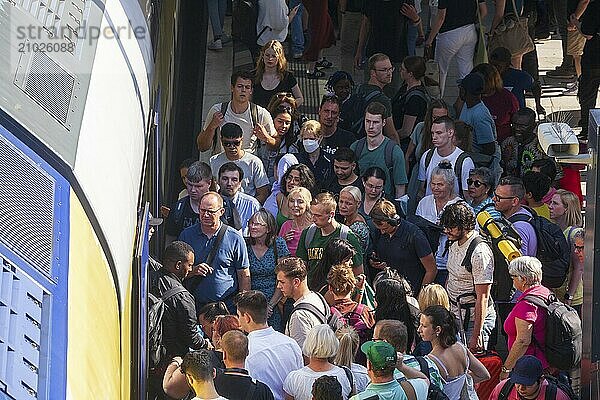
<point x="292" y="244"/>
<point x="526" y="311"/>
<point x="513" y="395"/>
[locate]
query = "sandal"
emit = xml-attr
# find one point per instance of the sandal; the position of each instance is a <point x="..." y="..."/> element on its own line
<point x="324" y="63"/>
<point x="316" y="74"/>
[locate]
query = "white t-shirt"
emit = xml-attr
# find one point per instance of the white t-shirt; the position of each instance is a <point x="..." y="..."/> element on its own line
<point x="302" y="321"/>
<point x="461" y="281"/>
<point x="361" y="377"/>
<point x="244" y="120"/>
<point x="254" y="171"/>
<point x="427" y="210"/>
<point x="425" y="174"/>
<point x="298" y="384"/>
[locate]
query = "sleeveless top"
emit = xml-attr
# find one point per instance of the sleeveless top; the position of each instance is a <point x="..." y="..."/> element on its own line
<point x="457" y="387"/>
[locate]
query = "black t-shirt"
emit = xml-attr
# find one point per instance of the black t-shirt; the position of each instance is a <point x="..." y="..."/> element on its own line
<point x="322" y="169"/>
<point x="183" y="216"/>
<point x="389" y="28"/>
<point x="234" y="384"/>
<point x="262" y="96"/>
<point x="409" y="103"/>
<point x="458" y="13"/>
<point x="333" y="186"/>
<point x="340" y="138"/>
<point x="590" y="25"/>
<point x="403" y="252"/>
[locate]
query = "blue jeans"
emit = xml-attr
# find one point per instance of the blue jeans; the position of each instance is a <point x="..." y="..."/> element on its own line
<point x="297" y="32"/>
<point x="411" y="39"/>
<point x="216" y="13"/>
<point x="488" y="324"/>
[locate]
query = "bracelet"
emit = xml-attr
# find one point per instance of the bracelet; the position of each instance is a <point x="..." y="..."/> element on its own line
<point x="417" y="21"/>
<point x="505" y="370"/>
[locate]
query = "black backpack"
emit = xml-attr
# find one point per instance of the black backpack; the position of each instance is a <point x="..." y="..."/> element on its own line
<point x="358" y="103"/>
<point x="431" y="231"/>
<point x="434" y="392"/>
<point x="551" y="390"/>
<point x="333" y="319"/>
<point x="400" y="100"/>
<point x="156" y="312"/>
<point x="563" y="332"/>
<point x="552" y="248"/>
<point x="243" y="22"/>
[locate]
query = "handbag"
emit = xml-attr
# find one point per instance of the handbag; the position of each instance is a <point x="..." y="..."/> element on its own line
<point x="431" y="81"/>
<point x="481" y="54"/>
<point x="512" y="34"/>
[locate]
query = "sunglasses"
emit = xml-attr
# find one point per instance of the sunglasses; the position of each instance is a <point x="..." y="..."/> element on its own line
<point x="283" y="95"/>
<point x="474" y="182"/>
<point x="231" y="144"/>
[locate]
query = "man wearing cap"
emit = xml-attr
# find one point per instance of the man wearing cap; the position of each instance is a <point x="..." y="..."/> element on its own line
<point x="382" y="360"/>
<point x="527" y="381"/>
<point x="486" y="151"/>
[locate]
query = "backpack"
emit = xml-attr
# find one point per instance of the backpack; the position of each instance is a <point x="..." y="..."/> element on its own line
<point x="552" y="248"/>
<point x="157" y="350"/>
<point x="400" y="100"/>
<point x="458" y="167"/>
<point x="434" y="392"/>
<point x="354" y="319"/>
<point x="431" y="231"/>
<point x="551" y="390"/>
<point x="243" y="22"/>
<point x="563" y="332"/>
<point x="358" y="103"/>
<point x="361" y="145"/>
<point x="253" y="116"/>
<point x="312" y="229"/>
<point x="330" y="318"/>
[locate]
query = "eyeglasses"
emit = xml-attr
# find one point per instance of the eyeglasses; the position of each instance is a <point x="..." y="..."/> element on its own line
<point x="291" y="178"/>
<point x="497" y="196"/>
<point x="514" y="276"/>
<point x="386" y="70"/>
<point x="231" y="144"/>
<point x="578" y="248"/>
<point x="283" y="95"/>
<point x="203" y="211"/>
<point x="283" y="108"/>
<point x="254" y="223"/>
<point x="474" y="182"/>
<point x="376" y="187"/>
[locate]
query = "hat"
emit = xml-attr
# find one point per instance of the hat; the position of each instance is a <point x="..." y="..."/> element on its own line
<point x="154" y="221"/>
<point x="526" y="371"/>
<point x="381" y="354"/>
<point x="473" y="83"/>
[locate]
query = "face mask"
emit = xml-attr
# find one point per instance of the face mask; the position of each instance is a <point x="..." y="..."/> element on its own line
<point x="310" y="145"/>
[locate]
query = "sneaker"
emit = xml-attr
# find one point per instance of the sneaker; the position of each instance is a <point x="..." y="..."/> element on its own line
<point x="215" y="45"/>
<point x="571" y="90"/>
<point x="561" y="72"/>
<point x="225" y="38"/>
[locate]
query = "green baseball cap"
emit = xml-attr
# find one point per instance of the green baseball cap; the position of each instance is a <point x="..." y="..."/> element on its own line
<point x="381" y="354"/>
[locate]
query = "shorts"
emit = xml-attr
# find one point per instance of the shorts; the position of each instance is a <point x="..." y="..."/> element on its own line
<point x="575" y="43"/>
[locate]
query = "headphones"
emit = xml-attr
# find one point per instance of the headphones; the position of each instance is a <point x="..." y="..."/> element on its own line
<point x="393" y="221"/>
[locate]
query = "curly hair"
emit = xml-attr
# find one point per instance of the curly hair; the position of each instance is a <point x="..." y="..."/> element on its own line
<point x="335" y="78"/>
<point x="341" y="279"/>
<point x="307" y="178"/>
<point x="459" y="215"/>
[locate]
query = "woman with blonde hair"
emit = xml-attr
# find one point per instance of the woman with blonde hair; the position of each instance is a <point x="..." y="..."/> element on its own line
<point x="433" y="295"/>
<point x="298" y="204"/>
<point x="320" y="346"/>
<point x="310" y="153"/>
<point x="349" y="345"/>
<point x="273" y="76"/>
<point x="565" y="211"/>
<point x="348" y="204"/>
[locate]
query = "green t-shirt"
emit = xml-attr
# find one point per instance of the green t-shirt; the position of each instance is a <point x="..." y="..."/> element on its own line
<point x="313" y="254"/>
<point x="376" y="158"/>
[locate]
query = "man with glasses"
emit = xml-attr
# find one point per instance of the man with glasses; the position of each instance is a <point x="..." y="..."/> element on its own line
<point x="255" y="182"/>
<point x="228" y="273"/>
<point x="334" y="137"/>
<point x="256" y="122"/>
<point x="380" y="75"/>
<point x="470" y="275"/>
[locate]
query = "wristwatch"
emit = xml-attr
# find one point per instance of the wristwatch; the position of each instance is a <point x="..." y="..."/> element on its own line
<point x="506" y="370"/>
<point x="568" y="296"/>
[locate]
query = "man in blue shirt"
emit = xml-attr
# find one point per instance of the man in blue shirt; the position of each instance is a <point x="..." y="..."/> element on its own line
<point x="229" y="271"/>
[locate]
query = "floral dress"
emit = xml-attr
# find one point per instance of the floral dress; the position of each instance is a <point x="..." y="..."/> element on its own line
<point x="262" y="273"/>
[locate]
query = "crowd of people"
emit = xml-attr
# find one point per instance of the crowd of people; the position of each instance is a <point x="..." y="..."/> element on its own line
<point x="351" y="256"/>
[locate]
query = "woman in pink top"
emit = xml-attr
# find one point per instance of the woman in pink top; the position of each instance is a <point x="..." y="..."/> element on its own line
<point x="299" y="200"/>
<point x="525" y="325"/>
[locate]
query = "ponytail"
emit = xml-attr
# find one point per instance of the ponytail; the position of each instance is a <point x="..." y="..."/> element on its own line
<point x="349" y="342"/>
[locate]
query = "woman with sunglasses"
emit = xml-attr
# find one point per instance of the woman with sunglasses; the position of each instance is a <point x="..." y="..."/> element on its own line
<point x="481" y="191"/>
<point x="565" y="211"/>
<point x="273" y="76"/>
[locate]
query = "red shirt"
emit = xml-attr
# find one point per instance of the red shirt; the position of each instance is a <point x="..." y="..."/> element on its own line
<point x="502" y="106"/>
